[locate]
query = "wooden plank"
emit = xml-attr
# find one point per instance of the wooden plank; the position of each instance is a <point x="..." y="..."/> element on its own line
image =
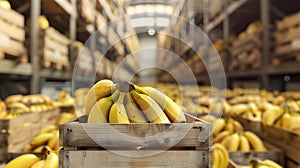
<point x="87" y="159"/>
<point x="12" y="16"/>
<point x="54" y="57"/>
<point x="254" y="37"/>
<point x="13" y="47"/>
<point x="54" y="45"/>
<point x="12" y="31"/>
<point x="288" y="21"/>
<point x="283" y="49"/>
<point x="81" y="135"/>
<point x="56" y="35"/>
<point x="287" y="36"/>
<point x="246" y="48"/>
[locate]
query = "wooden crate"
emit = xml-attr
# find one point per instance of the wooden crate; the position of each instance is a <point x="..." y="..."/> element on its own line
<point x="17" y="132"/>
<point x="79" y="150"/>
<point x="54" y="49"/>
<point x="87" y="10"/>
<point x="12" y="36"/>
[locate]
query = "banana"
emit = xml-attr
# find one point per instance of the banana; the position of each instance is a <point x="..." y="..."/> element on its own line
<point x="41" y="139"/>
<point x="216" y="159"/>
<point x="255" y="141"/>
<point x="244" y="144"/>
<point x="23" y="161"/>
<point x="270" y="163"/>
<point x="219" y="127"/>
<point x="117" y="113"/>
<point x="233" y="142"/>
<point x="209" y="118"/>
<point x="18" y="105"/>
<point x="272" y="114"/>
<point x="101" y="89"/>
<point x="229" y="126"/>
<point x="285" y="120"/>
<point x="224" y="152"/>
<point x="28" y="148"/>
<point x="39" y="164"/>
<point x="237" y="126"/>
<point x="38" y="149"/>
<point x="53" y="142"/>
<point x="219" y="138"/>
<point x="100" y="111"/>
<point x="47" y="129"/>
<point x="51" y="161"/>
<point x="225" y="142"/>
<point x="238" y="109"/>
<point x="172" y="110"/>
<point x="151" y="109"/>
<point x="65" y="117"/>
<point x="135" y="115"/>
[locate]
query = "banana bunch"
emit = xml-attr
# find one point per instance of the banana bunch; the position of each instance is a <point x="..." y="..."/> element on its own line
<point x="264" y="164"/>
<point x="49" y="159"/>
<point x="65" y="117"/>
<point x="48" y="135"/>
<point x="240" y="141"/>
<point x="222" y="124"/>
<point x="64" y="99"/>
<point x="129" y="103"/>
<point x="220" y="156"/>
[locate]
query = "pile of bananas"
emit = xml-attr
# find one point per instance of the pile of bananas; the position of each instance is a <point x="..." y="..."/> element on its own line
<point x="65" y="117"/>
<point x="240" y="141"/>
<point x="18" y="104"/>
<point x="128" y="103"/>
<point x="49" y="159"/>
<point x="220" y="156"/>
<point x="222" y="124"/>
<point x="47" y="136"/>
<point x="264" y="164"/>
<point x="64" y="99"/>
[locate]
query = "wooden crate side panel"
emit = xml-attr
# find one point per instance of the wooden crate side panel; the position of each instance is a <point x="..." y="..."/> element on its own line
<point x="90" y="159"/>
<point x="287" y="36"/>
<point x="57" y="36"/>
<point x="13" y="47"/>
<point x="78" y="137"/>
<point x="250" y="38"/>
<point x="288" y="21"/>
<point x="54" y="45"/>
<point x="12" y="31"/>
<point x="52" y="56"/>
<point x="12" y="17"/>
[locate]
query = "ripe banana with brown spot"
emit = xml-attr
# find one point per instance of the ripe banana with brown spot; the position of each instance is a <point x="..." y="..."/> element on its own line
<point x="151" y="109"/>
<point x="101" y="89"/>
<point x="117" y="112"/>
<point x="172" y="110"/>
<point x="255" y="141"/>
<point x="100" y="111"/>
<point x="135" y="115"/>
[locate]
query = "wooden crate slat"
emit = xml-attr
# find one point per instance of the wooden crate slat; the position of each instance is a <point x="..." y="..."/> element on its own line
<point x="56" y="35"/>
<point x="288" y="21"/>
<point x="12" y="17"/>
<point x="87" y="159"/>
<point x="51" y="56"/>
<point x="79" y="136"/>
<point x="14" y="48"/>
<point x="289" y="35"/>
<point x="250" y="38"/>
<point x="55" y="46"/>
<point x="246" y="48"/>
<point x="12" y="31"/>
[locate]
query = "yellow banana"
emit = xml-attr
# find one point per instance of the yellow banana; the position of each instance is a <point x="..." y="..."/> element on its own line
<point x="224" y="152"/>
<point x="270" y="163"/>
<point x="150" y="108"/>
<point x="51" y="161"/>
<point x="18" y="105"/>
<point x="38" y="149"/>
<point x="100" y="111"/>
<point x="209" y="118"/>
<point x="47" y="129"/>
<point x="237" y="125"/>
<point x="172" y="110"/>
<point x="216" y="159"/>
<point x="244" y="144"/>
<point x="101" y="89"/>
<point x="39" y="164"/>
<point x="23" y="161"/>
<point x="229" y="126"/>
<point x="220" y="137"/>
<point x="255" y="141"/>
<point x="272" y="114"/>
<point x="65" y="117"/>
<point x="117" y="113"/>
<point x="41" y="139"/>
<point x="286" y="120"/>
<point x="219" y="126"/>
<point x="135" y="115"/>
<point x="53" y="142"/>
<point x="28" y="148"/>
<point x="233" y="142"/>
<point x="238" y="109"/>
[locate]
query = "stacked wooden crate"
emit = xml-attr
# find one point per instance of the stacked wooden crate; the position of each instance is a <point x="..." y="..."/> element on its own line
<point x="82" y="150"/>
<point x="17" y="132"/>
<point x="246" y="49"/>
<point x="54" y="49"/>
<point x="12" y="36"/>
<point x="87" y="10"/>
<point x="287" y="40"/>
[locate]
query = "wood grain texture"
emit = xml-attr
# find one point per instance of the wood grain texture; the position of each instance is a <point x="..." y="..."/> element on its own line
<point x="288" y="22"/>
<point x="90" y="159"/>
<point x="12" y="17"/>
